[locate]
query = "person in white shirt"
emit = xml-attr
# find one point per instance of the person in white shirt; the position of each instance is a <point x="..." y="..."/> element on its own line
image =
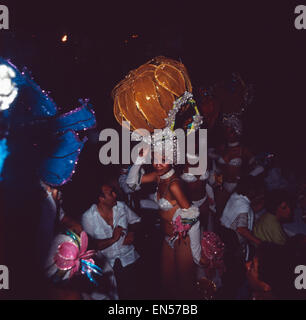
<point x="231" y="161"/>
<point x="238" y="214"/>
<point x="112" y="225"/>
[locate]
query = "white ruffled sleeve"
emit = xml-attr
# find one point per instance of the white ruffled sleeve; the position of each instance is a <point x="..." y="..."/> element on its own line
<point x="135" y="174"/>
<point x="123" y="185"/>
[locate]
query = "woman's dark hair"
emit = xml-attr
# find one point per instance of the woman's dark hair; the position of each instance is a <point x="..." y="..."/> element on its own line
<point x="274" y="198"/>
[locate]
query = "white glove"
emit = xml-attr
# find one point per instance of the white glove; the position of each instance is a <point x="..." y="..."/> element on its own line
<point x="135" y="174"/>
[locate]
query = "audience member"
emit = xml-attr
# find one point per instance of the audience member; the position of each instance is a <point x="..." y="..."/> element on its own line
<point x="269" y="226"/>
<point x="239" y="216"/>
<point x="112" y="225"/>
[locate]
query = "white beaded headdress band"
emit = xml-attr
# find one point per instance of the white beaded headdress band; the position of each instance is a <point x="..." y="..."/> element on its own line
<point x="187" y="97"/>
<point x="165" y="139"/>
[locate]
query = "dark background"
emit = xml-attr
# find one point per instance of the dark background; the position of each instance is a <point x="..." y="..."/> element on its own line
<point x="256" y="38"/>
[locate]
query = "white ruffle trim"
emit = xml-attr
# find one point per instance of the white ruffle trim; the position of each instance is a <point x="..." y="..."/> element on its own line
<point x="190" y="213"/>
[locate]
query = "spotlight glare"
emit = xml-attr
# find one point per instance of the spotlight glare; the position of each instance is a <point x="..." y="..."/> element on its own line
<point x="8" y="89"/>
<point x="64" y="38"/>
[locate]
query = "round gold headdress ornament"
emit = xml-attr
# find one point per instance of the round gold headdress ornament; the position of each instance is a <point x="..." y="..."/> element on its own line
<point x="156" y="95"/>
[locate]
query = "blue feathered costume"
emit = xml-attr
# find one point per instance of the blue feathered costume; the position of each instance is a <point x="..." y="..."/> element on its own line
<point x="37" y="143"/>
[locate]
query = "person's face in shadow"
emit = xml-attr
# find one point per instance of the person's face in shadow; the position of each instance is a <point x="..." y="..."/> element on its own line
<point x="109" y="197"/>
<point x="284" y="212"/>
<point x="230" y="134"/>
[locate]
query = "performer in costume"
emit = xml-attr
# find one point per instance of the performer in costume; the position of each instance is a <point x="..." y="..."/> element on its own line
<point x="231" y="161"/>
<point x="42" y="145"/>
<point x="180" y="223"/>
<point x="197" y="187"/>
<point x="198" y="190"/>
<point x="158" y="96"/>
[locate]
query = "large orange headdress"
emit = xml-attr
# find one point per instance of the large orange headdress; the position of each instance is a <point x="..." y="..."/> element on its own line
<point x="154" y="95"/>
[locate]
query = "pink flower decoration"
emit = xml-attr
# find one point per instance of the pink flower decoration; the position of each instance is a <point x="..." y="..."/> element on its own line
<point x="68" y="255"/>
<point x="180" y="228"/>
